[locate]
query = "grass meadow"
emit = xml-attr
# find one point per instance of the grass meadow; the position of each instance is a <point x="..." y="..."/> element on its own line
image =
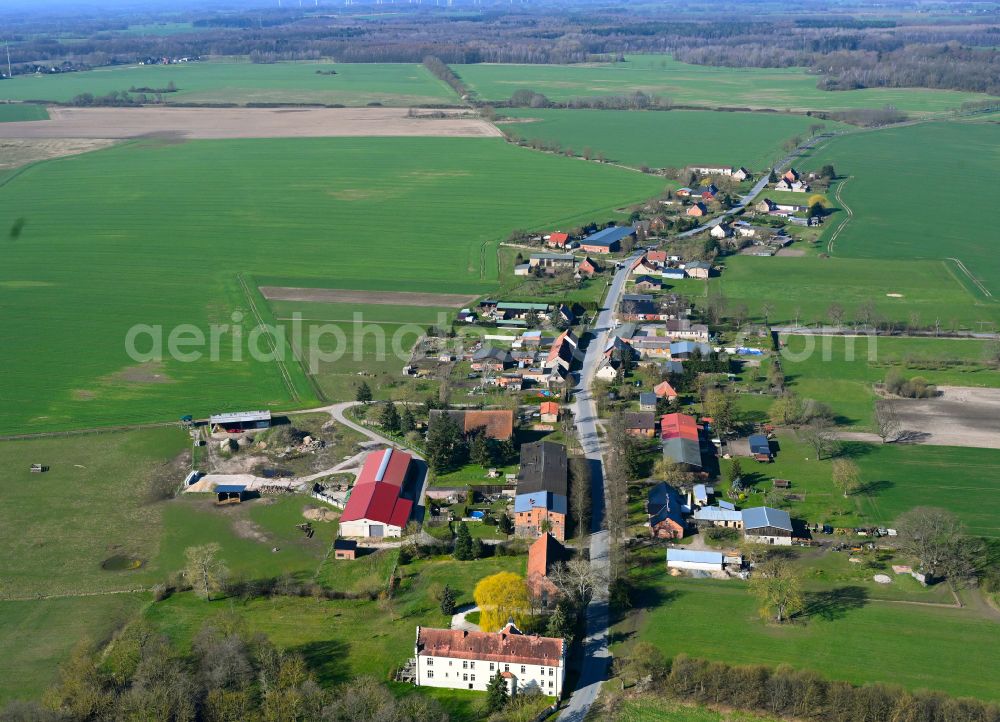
<point x="909" y="190"/>
<point x="37" y="636"/>
<point x="701" y="85"/>
<point x="806" y="287"/>
<point x="841" y="371"/>
<point x="656" y="709"/>
<point x="17" y="111"/>
<point x="858" y="640"/>
<point x="181" y="233"/>
<point x="353" y="84"/>
<point x="666" y="139"/>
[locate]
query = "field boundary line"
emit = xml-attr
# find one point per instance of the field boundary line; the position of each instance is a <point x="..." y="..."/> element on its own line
<point x="283" y="370"/>
<point x="92" y="430"/>
<point x="975" y="281"/>
<point x="351" y="320"/>
<point x="74" y="595"/>
<point x="843" y="223"/>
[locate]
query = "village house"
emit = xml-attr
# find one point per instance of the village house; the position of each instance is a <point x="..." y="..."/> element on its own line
<point x="608" y="369"/>
<point x="607" y="241"/>
<point x="723" y="230"/>
<point x="376" y="506"/>
<point x="663" y="506"/>
<point x="640" y="424"/>
<point x="792" y="187"/>
<point x="540" y="504"/>
<point x="698" y="269"/>
<point x="563" y="351"/>
<point x="587" y="268"/>
<point x="552" y="263"/>
<point x="684" y="192"/>
<point x="791" y="175"/>
<point x="697" y="210"/>
<point x="549" y="412"/>
<point x="459" y="659"/>
<point x="711" y="169"/>
<point x="495" y="423"/>
<point x="682" y="328"/>
<point x="643" y="266"/>
<point x="490" y="358"/>
<point x="765" y="525"/>
<point x="709" y="192"/>
<point x="648" y="283"/>
<point x="647" y="401"/>
<point x="679" y="437"/>
<point x="638" y="307"/>
<point x="765" y="205"/>
<point x="543" y="555"/>
<point x="741" y="174"/>
<point x="701" y="494"/>
<point x="664" y="390"/>
<point x="557" y="240"/>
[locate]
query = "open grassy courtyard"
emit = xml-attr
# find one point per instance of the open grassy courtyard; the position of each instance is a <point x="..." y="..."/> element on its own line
<point x="701" y="85"/>
<point x="179" y="233"/>
<point x="242" y="83"/>
<point x="903" y="210"/>
<point x="665" y="139"/>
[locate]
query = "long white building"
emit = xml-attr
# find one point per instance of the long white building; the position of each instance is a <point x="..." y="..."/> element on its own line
<point x="459" y="659"/>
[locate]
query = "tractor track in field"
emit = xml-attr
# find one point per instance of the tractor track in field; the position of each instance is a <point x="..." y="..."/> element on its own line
<point x="282" y="369"/>
<point x="843" y="223"/>
<point x="968" y="274"/>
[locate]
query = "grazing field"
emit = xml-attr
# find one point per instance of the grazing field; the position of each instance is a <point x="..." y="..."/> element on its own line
<point x="701" y="85"/>
<point x="841" y="371"/>
<point x="242" y="83"/>
<point x="851" y="637"/>
<point x="665" y="139"/>
<point x="902" y="212"/>
<point x="174" y="233"/>
<point x="656" y="709"/>
<point x="37" y="636"/>
<point x="93" y="504"/>
<point x="900" y="477"/>
<point x="805" y="288"/>
<point x="10" y="112"/>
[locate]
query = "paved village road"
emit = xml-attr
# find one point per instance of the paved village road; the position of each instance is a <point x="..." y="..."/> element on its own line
<point x="596" y="656"/>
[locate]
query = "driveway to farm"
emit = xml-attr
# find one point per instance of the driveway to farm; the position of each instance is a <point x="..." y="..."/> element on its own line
<point x="215" y="123"/>
<point x="596" y="656"/>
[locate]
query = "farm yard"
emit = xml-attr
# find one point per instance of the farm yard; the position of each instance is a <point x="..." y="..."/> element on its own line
<point x="660" y="139"/>
<point x="901" y="214"/>
<point x="199" y="209"/>
<point x="698" y="85"/>
<point x="245" y="83"/>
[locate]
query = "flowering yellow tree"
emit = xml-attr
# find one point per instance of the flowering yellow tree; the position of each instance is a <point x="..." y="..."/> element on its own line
<point x="501" y="597"/>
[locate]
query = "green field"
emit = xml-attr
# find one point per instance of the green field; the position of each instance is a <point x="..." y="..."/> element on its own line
<point x="655" y="709"/>
<point x="909" y="191"/>
<point x="181" y="233"/>
<point x="961" y="480"/>
<point x="702" y="85"/>
<point x="841" y="371"/>
<point x="37" y="636"/>
<point x="241" y="83"/>
<point x="915" y="646"/>
<point x="17" y="111"/>
<point x="665" y="139"/>
<point x="806" y="287"/>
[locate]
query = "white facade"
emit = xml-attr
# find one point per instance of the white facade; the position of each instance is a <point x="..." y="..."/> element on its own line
<point x="476" y="674"/>
<point x="781" y="541"/>
<point x="368" y="527"/>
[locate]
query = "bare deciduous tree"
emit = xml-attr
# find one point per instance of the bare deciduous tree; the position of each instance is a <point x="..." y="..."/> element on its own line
<point x="887" y="423"/>
<point x="578" y="580"/>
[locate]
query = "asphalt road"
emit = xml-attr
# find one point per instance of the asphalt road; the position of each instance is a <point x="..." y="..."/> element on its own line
<point x="596" y="656"/>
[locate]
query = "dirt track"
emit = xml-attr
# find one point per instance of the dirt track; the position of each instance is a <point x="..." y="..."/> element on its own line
<point x="216" y="123"/>
<point x="333" y="295"/>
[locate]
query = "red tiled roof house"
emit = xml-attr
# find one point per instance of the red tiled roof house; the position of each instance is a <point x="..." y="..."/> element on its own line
<point x="459" y="659"/>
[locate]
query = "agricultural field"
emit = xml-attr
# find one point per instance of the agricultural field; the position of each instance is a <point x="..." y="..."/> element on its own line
<point x="700" y="85"/>
<point x="242" y="83"/>
<point x="665" y="139"/>
<point x="899" y="212"/>
<point x="10" y="112"/>
<point x="909" y="292"/>
<point x="841" y="371"/>
<point x="849" y="636"/>
<point x="200" y="210"/>
<point x="657" y="709"/>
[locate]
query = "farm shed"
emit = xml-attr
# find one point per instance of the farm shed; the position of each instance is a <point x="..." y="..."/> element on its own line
<point x="345" y="549"/>
<point x="238" y="421"/>
<point x="376" y="507"/>
<point x="230" y="493"/>
<point x="695" y="560"/>
<point x="766" y="525"/>
<point x="607" y="241"/>
<point x="760" y="447"/>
